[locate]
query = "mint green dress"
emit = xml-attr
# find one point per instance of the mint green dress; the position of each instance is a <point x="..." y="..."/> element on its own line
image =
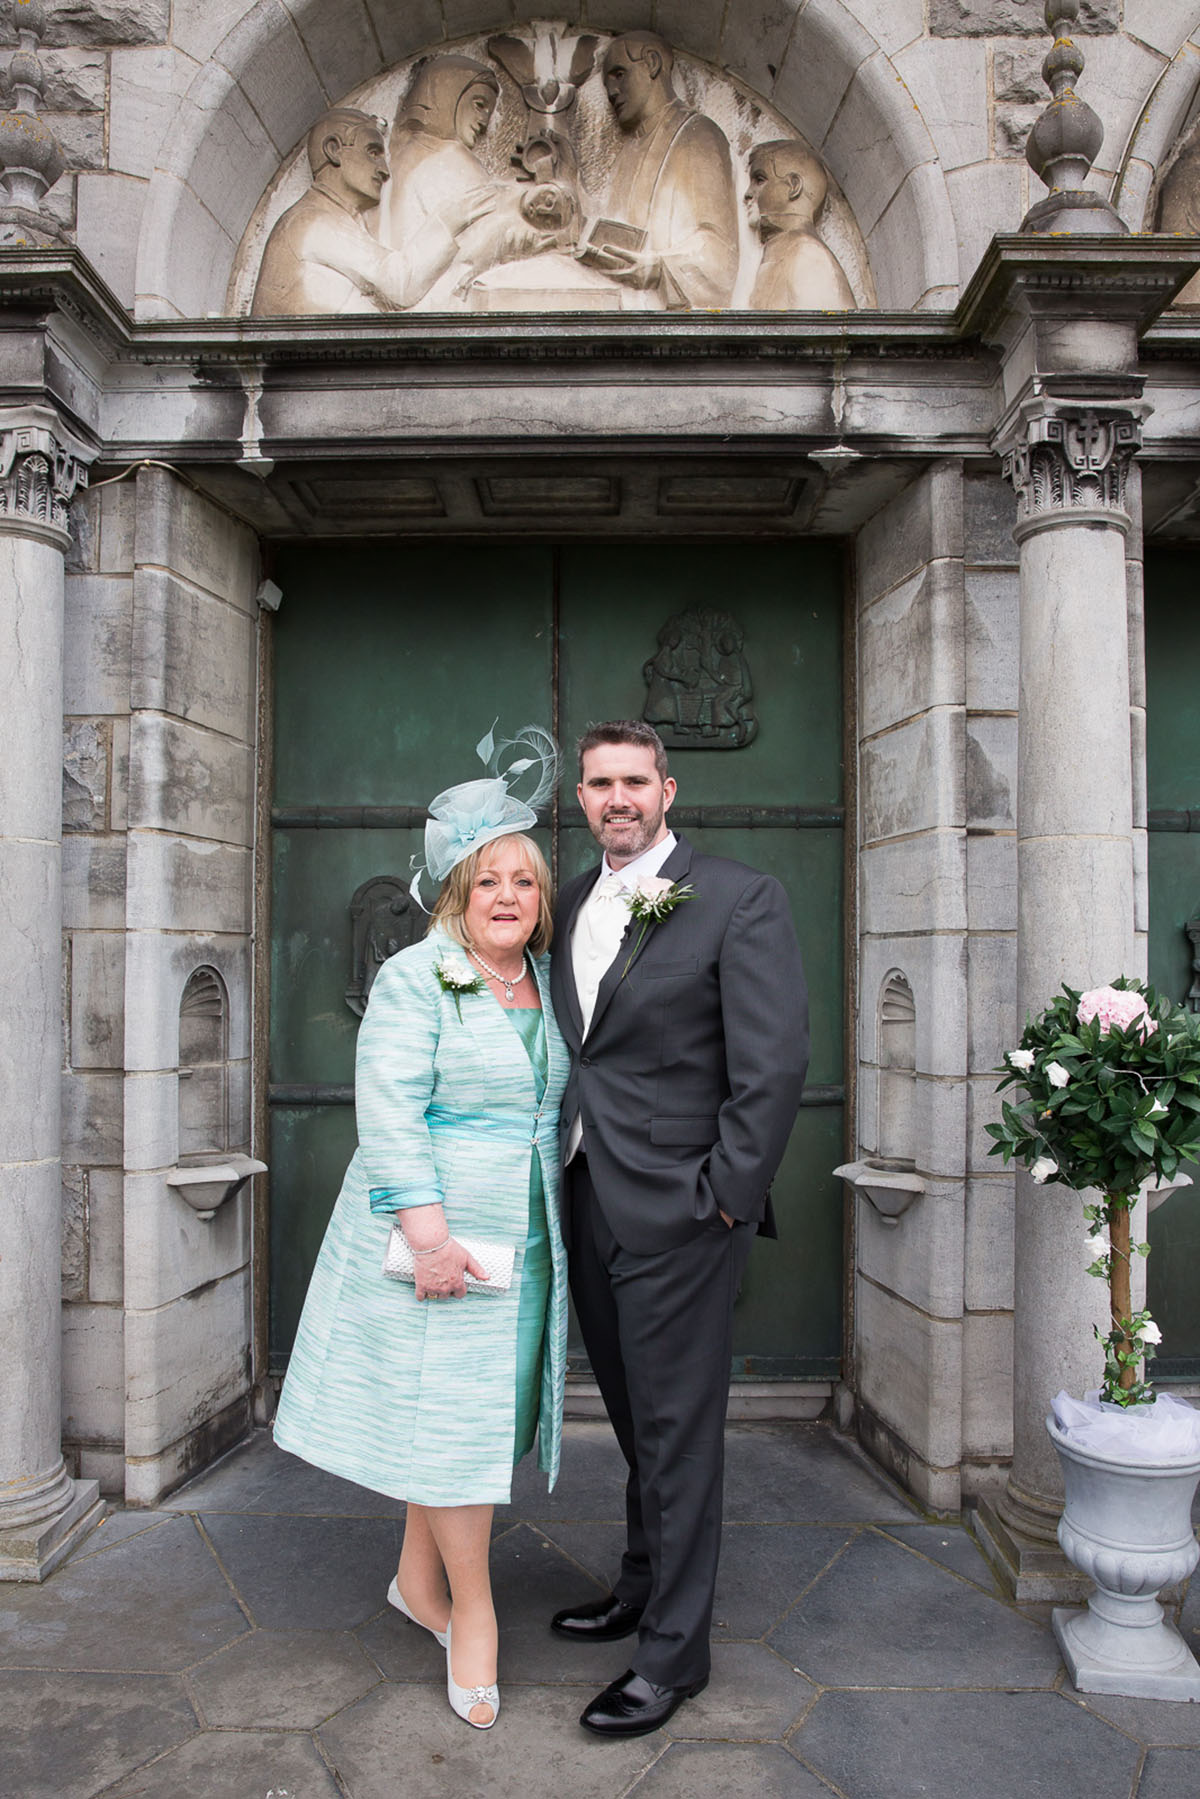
<point x="432" y="1402"/>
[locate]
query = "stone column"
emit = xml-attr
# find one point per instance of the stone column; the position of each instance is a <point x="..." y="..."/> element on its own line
<point x="1075" y="919"/>
<point x="42" y="1510"/>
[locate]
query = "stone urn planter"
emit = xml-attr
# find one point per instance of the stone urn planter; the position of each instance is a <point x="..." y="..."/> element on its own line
<point x="1127" y="1526"/>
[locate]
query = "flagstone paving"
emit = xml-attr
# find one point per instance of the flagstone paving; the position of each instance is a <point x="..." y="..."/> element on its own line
<point x="234" y="1644"/>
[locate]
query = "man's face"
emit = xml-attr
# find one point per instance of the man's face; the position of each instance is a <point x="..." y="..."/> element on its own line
<point x="768" y="197"/>
<point x="625" y="799"/>
<point x="629" y="85"/>
<point x="363" y="166"/>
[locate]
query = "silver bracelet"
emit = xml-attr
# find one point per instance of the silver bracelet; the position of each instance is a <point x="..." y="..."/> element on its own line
<point x="432" y="1252"/>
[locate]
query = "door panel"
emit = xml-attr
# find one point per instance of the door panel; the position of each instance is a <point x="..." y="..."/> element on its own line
<point x="390" y="662"/>
<point x="1173" y="798"/>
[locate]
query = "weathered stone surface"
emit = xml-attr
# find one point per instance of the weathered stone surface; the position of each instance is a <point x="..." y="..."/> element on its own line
<point x="97" y="628"/>
<point x="911" y="648"/>
<point x="93" y="873"/>
<point x="187" y="1362"/>
<point x="924" y="523"/>
<point x="185" y="885"/>
<point x="992" y="631"/>
<point x="1017" y="73"/>
<point x="987" y="1387"/>
<point x="85" y="775"/>
<point x="292" y="1679"/>
<point x="915" y="884"/>
<point x="340" y="44"/>
<point x="110" y="217"/>
<point x="1013" y="125"/>
<point x="77" y="22"/>
<point x="912" y="777"/>
<point x="106" y="1235"/>
<point x="992" y="1004"/>
<point x="118" y="516"/>
<point x="146" y="88"/>
<point x="193" y="655"/>
<point x="947" y="80"/>
<point x="1163" y="24"/>
<point x="181" y="531"/>
<point x="104" y="1726"/>
<point x="197" y="26"/>
<point x="991" y="771"/>
<point x="817" y="69"/>
<point x="183" y="778"/>
<point x="75" y="1233"/>
<point x="80" y="137"/>
<point x="75" y="80"/>
<point x="169" y="1251"/>
<point x="151" y="1122"/>
<point x="92" y="1118"/>
<point x="988" y="1285"/>
<point x="921" y="1258"/>
<point x="93" y="1372"/>
<point x="1013" y="18"/>
<point x="910" y="1373"/>
<point x="986" y="199"/>
<point x="97" y="1016"/>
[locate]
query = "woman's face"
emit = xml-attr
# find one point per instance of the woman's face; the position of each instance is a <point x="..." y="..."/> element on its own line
<point x="474" y="114"/>
<point x="502" y="911"/>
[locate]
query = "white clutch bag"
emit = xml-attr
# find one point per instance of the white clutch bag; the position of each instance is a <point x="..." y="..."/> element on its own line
<point x="497" y="1258"/>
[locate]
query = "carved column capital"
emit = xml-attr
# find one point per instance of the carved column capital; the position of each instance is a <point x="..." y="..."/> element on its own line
<point x="40" y="474"/>
<point x="1071" y="465"/>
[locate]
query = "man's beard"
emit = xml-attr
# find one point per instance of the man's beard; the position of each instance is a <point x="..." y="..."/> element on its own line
<point x="631" y="842"/>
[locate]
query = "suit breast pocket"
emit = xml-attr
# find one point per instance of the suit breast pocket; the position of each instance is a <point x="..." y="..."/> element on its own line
<point x="663" y="971"/>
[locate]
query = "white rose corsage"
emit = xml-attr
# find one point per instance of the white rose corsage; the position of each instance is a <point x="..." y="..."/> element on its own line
<point x="650" y="900"/>
<point x="456" y="976"/>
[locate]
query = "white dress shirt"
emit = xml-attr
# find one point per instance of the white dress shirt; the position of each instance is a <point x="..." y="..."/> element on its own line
<point x="599" y="927"/>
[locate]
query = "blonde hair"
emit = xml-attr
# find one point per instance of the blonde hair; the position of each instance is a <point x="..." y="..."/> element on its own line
<point x="450" y="907"/>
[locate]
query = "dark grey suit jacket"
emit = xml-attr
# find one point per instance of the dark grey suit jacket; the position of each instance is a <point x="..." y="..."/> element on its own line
<point x="690" y="1076"/>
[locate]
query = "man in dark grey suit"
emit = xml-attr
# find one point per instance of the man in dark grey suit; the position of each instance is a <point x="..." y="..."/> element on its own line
<point x="689" y="1043"/>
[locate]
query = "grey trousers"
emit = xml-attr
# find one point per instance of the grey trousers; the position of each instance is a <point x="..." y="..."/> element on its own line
<point x="658" y="1330"/>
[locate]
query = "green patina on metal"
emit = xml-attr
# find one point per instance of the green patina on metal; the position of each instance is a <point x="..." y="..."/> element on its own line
<point x="1173" y="797"/>
<point x="390" y="661"/>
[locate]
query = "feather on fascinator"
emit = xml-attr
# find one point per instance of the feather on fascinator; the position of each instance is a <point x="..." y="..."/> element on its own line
<point x="465" y="817"/>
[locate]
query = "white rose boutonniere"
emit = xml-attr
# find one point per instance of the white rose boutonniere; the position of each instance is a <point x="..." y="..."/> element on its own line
<point x="455" y="976"/>
<point x="651" y="899"/>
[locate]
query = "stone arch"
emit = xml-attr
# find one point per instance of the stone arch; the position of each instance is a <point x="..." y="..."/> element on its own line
<point x="203" y="1066"/>
<point x="897" y="1059"/>
<point x="281" y="65"/>
<point x="1172" y="107"/>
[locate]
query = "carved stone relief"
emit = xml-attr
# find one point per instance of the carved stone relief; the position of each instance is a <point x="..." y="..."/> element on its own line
<point x="698" y="685"/>
<point x="38" y="478"/>
<point x="545" y="170"/>
<point x="1073" y="462"/>
<point x="384" y="918"/>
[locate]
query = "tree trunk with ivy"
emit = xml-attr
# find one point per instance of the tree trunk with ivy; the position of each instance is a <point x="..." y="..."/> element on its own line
<point x="1120" y="1284"/>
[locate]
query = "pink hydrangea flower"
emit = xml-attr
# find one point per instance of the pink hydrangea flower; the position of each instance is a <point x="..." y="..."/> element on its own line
<point x="1114" y="1006"/>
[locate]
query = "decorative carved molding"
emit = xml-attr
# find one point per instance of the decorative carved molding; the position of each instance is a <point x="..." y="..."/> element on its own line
<point x="1073" y="462"/>
<point x="31" y="159"/>
<point x="1065" y="142"/>
<point x="38" y="478"/>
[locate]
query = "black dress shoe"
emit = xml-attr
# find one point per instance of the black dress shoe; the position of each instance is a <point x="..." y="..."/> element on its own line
<point x="632" y="1706"/>
<point x="600" y="1621"/>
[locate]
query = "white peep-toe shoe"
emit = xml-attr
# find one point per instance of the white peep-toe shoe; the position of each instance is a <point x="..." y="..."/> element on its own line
<point x="463" y="1698"/>
<point x="394" y="1597"/>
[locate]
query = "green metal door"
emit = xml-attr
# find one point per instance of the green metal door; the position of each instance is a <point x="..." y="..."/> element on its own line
<point x="1173" y="795"/>
<point x="390" y="663"/>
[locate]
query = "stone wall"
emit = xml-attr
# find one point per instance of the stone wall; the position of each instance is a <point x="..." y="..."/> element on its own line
<point x="937" y="595"/>
<point x="189" y="108"/>
<point x="159" y="812"/>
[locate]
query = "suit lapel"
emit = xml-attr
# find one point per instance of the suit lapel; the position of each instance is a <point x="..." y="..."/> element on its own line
<point x="675" y="866"/>
<point x="564" y="925"/>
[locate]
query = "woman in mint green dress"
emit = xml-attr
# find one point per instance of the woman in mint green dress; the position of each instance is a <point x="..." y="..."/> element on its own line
<point x="429" y="1392"/>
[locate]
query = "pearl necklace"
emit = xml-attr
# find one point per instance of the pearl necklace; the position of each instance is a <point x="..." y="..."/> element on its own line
<point x="503" y="979"/>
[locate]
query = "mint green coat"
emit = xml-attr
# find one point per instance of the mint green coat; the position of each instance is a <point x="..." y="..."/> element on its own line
<point x="417" y="1400"/>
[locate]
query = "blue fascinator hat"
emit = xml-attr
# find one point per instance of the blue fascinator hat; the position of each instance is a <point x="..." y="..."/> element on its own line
<point x="465" y="817"/>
